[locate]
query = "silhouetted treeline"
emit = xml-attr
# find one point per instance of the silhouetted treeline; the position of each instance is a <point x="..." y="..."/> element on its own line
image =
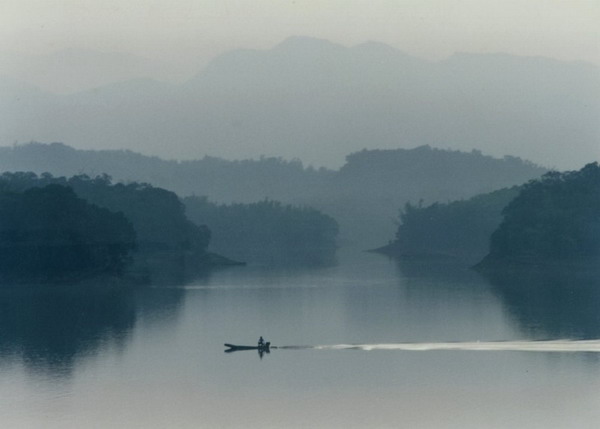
<point x="166" y="241"/>
<point x="553" y="219"/>
<point x="459" y="229"/>
<point x="363" y="195"/>
<point x="222" y="180"/>
<point x="433" y="174"/>
<point x="157" y="215"/>
<point x="373" y="184"/>
<point x="267" y="231"/>
<point x="50" y="233"/>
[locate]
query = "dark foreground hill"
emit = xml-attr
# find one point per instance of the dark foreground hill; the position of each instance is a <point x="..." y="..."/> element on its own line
<point x="48" y="233"/>
<point x="550" y="222"/>
<point x="553" y="221"/>
<point x="51" y="227"/>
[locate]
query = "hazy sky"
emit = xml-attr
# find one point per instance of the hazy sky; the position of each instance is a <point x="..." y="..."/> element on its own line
<point x="193" y="31"/>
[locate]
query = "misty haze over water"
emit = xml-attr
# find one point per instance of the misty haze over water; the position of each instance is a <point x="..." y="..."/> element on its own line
<point x="154" y="357"/>
<point x="401" y="198"/>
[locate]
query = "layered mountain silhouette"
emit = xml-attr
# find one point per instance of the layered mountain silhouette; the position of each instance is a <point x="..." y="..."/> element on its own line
<point x="73" y="70"/>
<point x="364" y="195"/>
<point x="317" y="101"/>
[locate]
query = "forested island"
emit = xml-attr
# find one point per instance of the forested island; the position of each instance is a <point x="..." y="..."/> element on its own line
<point x="50" y="232"/>
<point x="363" y="195"/>
<point x="458" y="229"/>
<point x="248" y="225"/>
<point x="551" y="221"/>
<point x="267" y="231"/>
<point x="56" y="227"/>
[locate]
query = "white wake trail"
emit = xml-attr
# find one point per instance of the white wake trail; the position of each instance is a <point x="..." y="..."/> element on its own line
<point x="518" y="346"/>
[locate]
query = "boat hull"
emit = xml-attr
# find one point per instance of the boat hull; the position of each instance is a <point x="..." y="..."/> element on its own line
<point x="236" y="348"/>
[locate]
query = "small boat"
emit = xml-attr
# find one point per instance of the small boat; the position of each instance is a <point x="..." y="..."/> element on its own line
<point x="234" y="348"/>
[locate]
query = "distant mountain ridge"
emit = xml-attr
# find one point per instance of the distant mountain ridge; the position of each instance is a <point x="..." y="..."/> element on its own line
<point x="317" y="101"/>
<point x="85" y="69"/>
<point x="364" y="196"/>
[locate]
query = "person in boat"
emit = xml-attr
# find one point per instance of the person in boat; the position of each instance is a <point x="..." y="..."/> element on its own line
<point x="261" y="342"/>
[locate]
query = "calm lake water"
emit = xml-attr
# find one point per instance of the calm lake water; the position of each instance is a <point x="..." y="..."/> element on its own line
<point x="154" y="358"/>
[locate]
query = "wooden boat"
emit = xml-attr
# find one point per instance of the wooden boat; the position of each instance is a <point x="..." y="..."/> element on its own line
<point x="235" y="348"/>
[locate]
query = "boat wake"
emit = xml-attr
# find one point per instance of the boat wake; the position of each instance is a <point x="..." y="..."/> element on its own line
<point x="559" y="346"/>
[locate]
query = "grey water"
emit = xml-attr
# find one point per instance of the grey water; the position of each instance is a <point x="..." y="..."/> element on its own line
<point x="367" y="342"/>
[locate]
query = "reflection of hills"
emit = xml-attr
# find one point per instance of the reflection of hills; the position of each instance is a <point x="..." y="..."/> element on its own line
<point x="555" y="303"/>
<point x="443" y="270"/>
<point x="50" y="328"/>
<point x="171" y="268"/>
<point x="158" y="305"/>
<point x="545" y="304"/>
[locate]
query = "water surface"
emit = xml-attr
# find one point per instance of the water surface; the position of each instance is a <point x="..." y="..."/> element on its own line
<point x="154" y="357"/>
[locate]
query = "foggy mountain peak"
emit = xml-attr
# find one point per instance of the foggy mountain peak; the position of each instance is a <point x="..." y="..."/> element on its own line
<point x="384" y="51"/>
<point x="317" y="101"/>
<point x="298" y="44"/>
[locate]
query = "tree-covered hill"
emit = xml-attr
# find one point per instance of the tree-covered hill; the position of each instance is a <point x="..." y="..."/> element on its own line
<point x="48" y="233"/>
<point x="157" y="215"/>
<point x="555" y="219"/>
<point x="458" y="229"/>
<point x="267" y="231"/>
<point x="431" y="174"/>
<point x="222" y="180"/>
<point x="165" y="239"/>
<point x="363" y="196"/>
<point x="373" y="184"/>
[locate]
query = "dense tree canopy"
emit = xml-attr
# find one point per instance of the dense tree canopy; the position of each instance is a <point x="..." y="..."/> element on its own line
<point x="157" y="215"/>
<point x="458" y="229"/>
<point x="267" y="231"/>
<point x="165" y="240"/>
<point x="556" y="218"/>
<point x="50" y="233"/>
<point x="372" y="184"/>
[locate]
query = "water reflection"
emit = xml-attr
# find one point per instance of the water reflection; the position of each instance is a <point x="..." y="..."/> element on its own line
<point x="260" y="350"/>
<point x="50" y="328"/>
<point x="169" y="268"/>
<point x="544" y="304"/>
<point x="551" y="303"/>
<point x="445" y="272"/>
